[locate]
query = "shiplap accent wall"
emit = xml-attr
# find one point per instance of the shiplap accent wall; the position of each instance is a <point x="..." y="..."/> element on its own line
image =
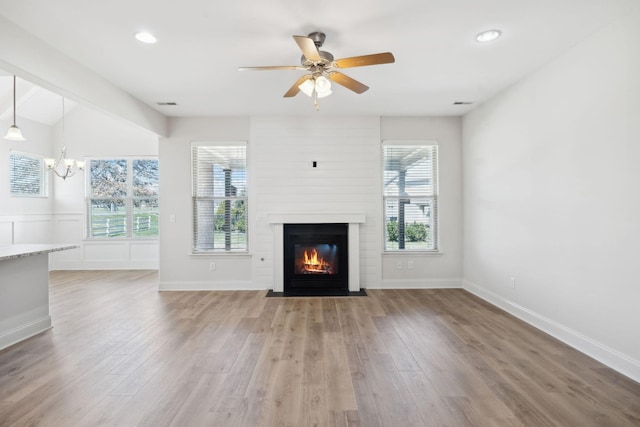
<point x="347" y="179"/>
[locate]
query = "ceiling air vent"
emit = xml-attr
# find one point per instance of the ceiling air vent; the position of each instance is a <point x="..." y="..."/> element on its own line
<point x="167" y="103"/>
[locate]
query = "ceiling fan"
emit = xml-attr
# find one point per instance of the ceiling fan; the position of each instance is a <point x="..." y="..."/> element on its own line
<point x="322" y="68"/>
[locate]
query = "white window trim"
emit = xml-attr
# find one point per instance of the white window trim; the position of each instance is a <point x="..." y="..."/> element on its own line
<point x="87" y="197"/>
<point x="412" y="252"/>
<point x="239" y="253"/>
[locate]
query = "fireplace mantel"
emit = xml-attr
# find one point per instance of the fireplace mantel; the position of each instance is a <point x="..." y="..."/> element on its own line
<point x="353" y="219"/>
<point x="316" y="218"/>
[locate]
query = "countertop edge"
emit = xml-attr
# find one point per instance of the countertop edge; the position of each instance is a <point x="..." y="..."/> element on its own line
<point x="9" y="252"/>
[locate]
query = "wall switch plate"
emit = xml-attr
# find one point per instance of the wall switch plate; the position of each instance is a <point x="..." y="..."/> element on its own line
<point x="399" y="265"/>
<point x="212" y="266"/>
<point x="172" y="218"/>
<point x="410" y="264"/>
<point x="513" y="282"/>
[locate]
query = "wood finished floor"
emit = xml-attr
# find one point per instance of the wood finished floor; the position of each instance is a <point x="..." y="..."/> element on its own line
<point x="123" y="354"/>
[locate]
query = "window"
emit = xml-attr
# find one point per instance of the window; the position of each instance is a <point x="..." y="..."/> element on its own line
<point x="219" y="193"/>
<point x="27" y="175"/>
<point x="410" y="193"/>
<point x="123" y="198"/>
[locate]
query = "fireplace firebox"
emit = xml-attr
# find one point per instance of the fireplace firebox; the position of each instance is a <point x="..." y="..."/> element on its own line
<point x="316" y="259"/>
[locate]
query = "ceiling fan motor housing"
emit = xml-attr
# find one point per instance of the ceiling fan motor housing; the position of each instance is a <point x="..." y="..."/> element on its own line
<point x="326" y="58"/>
<point x="318" y="38"/>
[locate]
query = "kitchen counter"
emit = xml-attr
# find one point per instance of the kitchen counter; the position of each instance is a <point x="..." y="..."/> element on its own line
<point x="24" y="290"/>
<point x="29" y="249"/>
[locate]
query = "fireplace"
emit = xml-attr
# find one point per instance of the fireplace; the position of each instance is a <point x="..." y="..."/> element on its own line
<point x="316" y="259"/>
<point x="354" y="221"/>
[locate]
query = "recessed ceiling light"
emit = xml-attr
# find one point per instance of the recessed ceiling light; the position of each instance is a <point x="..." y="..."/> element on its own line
<point x="145" y="37"/>
<point x="487" y="36"/>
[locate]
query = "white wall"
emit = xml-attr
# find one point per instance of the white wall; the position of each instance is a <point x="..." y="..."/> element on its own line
<point x="89" y="133"/>
<point x="443" y="270"/>
<point x="178" y="268"/>
<point x="551" y="199"/>
<point x="347" y="180"/>
<point x="24" y="219"/>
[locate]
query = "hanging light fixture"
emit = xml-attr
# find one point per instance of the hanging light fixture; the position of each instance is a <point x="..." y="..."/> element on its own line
<point x="14" y="133"/>
<point x="64" y="167"/>
<point x="318" y="86"/>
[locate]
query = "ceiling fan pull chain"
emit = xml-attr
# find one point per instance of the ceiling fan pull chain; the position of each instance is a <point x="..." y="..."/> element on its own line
<point x="315" y="100"/>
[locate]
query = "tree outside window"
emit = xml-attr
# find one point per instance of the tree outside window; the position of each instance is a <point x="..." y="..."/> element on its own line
<point x="123" y="198"/>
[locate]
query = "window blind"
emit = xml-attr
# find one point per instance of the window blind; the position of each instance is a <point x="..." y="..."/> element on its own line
<point x="219" y="193"/>
<point x="26" y="175"/>
<point x="410" y="192"/>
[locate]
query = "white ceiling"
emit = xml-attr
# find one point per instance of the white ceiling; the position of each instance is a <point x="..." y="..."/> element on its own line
<point x="201" y="43"/>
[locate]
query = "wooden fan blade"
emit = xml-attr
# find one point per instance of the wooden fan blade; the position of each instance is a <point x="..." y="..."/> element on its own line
<point x="308" y="48"/>
<point x="346" y="81"/>
<point x="293" y="91"/>
<point x="274" y="67"/>
<point x="361" y="61"/>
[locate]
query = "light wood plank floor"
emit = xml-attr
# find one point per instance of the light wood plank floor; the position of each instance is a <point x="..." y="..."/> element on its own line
<point x="123" y="354"/>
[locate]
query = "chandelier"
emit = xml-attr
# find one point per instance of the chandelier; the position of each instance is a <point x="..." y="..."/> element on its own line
<point x="64" y="167"/>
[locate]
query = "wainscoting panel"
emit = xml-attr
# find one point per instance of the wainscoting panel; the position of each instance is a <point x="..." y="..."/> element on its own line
<point x="26" y="228"/>
<point x="6" y="231"/>
<point x="125" y="254"/>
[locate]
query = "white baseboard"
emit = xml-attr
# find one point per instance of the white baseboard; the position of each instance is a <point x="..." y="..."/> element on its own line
<point x="226" y="285"/>
<point x="104" y="265"/>
<point x="22" y="332"/>
<point x="608" y="356"/>
<point x="231" y="285"/>
<point x="421" y="283"/>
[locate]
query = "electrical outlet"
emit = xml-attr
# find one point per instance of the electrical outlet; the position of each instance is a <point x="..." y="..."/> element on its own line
<point x="410" y="264"/>
<point x="513" y="282"/>
<point x="399" y="265"/>
<point x="212" y="266"/>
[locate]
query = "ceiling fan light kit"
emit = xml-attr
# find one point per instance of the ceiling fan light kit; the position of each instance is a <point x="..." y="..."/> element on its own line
<point x="321" y="67"/>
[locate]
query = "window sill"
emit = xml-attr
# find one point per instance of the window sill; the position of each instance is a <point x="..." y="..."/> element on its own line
<point x="119" y="239"/>
<point x="29" y="196"/>
<point x="219" y="255"/>
<point x="412" y="253"/>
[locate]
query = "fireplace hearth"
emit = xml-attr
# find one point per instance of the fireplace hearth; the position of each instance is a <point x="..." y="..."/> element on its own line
<point x="316" y="259"/>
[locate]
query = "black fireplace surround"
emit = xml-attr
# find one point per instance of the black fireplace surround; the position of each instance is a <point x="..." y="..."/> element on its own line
<point x="316" y="259"/>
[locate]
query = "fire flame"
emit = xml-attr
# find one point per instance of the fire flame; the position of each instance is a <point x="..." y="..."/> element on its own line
<point x="313" y="263"/>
